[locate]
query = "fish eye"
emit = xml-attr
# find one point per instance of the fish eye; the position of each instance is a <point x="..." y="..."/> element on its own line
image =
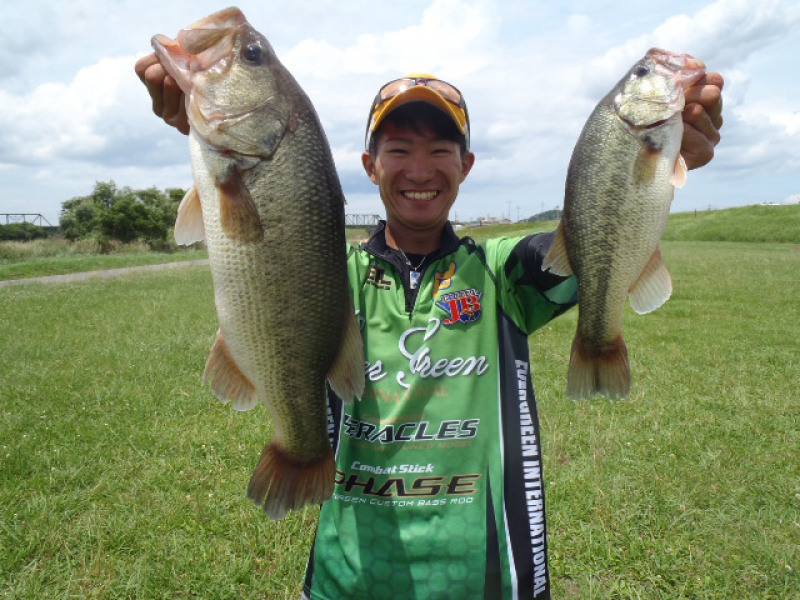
<point x="252" y="53"/>
<point x="641" y="71"/>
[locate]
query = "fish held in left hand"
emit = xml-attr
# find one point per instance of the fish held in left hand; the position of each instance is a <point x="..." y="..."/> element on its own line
<point x="267" y="201"/>
<point x="620" y="183"/>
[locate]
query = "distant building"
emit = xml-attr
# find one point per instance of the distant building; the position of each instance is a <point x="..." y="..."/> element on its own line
<point x="488" y="221"/>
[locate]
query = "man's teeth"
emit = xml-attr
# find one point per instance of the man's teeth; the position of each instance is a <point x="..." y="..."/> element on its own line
<point x="420" y="195"/>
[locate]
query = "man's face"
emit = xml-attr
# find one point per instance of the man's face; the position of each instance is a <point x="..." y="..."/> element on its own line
<point x="418" y="176"/>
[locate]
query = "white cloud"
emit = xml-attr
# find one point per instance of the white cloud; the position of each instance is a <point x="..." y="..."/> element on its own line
<point x="72" y="111"/>
<point x="74" y="120"/>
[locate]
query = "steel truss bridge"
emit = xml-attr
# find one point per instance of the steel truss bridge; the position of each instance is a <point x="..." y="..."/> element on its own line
<point x="361" y="220"/>
<point x="34" y="218"/>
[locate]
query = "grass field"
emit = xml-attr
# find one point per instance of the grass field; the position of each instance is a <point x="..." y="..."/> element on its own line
<point x="123" y="478"/>
<point x="40" y="258"/>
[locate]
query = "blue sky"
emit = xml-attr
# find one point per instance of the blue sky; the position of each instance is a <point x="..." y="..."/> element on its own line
<point x="72" y="111"/>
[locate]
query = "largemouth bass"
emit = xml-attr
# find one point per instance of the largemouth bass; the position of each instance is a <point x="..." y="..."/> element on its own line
<point x="267" y="201"/>
<point x="620" y="183"/>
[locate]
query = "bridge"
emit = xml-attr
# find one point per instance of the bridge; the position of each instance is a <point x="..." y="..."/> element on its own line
<point x="361" y="220"/>
<point x="34" y="218"/>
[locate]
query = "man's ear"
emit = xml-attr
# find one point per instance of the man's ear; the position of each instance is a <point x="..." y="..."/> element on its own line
<point x="369" y="166"/>
<point x="466" y="165"/>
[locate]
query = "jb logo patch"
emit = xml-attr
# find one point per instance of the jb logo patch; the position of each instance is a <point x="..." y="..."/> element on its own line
<point x="463" y="306"/>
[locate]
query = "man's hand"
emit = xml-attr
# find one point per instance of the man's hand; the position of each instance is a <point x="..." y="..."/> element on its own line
<point x="702" y="120"/>
<point x="168" y="99"/>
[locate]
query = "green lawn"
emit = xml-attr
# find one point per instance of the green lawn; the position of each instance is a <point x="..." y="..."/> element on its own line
<point x="61" y="264"/>
<point x="123" y="478"/>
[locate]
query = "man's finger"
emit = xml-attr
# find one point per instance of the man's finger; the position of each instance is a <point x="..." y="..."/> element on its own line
<point x="698" y="116"/>
<point x="696" y="149"/>
<point x="707" y="92"/>
<point x="143" y="64"/>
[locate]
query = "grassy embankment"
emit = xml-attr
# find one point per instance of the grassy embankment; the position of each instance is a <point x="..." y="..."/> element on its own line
<point x="123" y="478"/>
<point x="54" y="256"/>
<point x="19" y="260"/>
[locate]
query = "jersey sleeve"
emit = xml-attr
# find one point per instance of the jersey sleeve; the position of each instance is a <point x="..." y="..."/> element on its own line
<point x="530" y="295"/>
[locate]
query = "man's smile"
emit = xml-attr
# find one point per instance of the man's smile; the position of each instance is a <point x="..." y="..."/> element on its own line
<point x="430" y="195"/>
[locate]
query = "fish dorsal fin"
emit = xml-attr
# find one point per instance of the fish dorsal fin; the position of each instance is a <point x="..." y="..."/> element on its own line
<point x="346" y="376"/>
<point x="238" y="212"/>
<point x="189" y="226"/>
<point x="680" y="174"/>
<point x="228" y="382"/>
<point x="557" y="259"/>
<point x="654" y="286"/>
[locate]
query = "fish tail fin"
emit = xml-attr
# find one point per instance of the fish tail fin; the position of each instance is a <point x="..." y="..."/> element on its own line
<point x="281" y="483"/>
<point x="346" y="376"/>
<point x="606" y="372"/>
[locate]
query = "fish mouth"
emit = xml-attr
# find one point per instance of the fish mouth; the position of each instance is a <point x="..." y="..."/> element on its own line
<point x="209" y="31"/>
<point x="684" y="69"/>
<point x="199" y="47"/>
<point x="205" y="46"/>
<point x="184" y="58"/>
<point x="183" y="65"/>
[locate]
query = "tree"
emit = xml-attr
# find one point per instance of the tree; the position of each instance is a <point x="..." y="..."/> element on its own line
<point x="126" y="215"/>
<point x="21" y="232"/>
<point x="79" y="217"/>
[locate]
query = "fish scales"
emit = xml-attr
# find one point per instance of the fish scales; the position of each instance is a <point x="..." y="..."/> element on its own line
<point x="618" y="191"/>
<point x="267" y="201"/>
<point x="614" y="238"/>
<point x="288" y="286"/>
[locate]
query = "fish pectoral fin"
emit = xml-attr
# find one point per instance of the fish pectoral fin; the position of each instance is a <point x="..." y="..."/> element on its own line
<point x="189" y="227"/>
<point x="680" y="174"/>
<point x="346" y="376"/>
<point x="654" y="286"/>
<point x="228" y="382"/>
<point x="238" y="212"/>
<point x="557" y="260"/>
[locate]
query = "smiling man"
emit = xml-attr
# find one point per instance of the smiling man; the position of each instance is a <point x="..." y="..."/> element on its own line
<point x="439" y="491"/>
<point x="448" y="385"/>
<point x="418" y="155"/>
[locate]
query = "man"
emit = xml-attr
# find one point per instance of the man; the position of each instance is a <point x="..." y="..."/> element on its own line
<point x="439" y="490"/>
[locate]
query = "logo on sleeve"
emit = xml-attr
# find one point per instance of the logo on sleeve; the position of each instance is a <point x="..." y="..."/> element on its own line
<point x="463" y="306"/>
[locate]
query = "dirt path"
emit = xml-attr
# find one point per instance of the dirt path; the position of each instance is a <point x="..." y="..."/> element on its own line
<point x="69" y="277"/>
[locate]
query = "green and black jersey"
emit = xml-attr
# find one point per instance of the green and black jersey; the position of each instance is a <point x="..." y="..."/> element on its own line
<point x="439" y="491"/>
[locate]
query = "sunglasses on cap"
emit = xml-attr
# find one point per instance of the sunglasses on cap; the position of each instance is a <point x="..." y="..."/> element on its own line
<point x="446" y="97"/>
